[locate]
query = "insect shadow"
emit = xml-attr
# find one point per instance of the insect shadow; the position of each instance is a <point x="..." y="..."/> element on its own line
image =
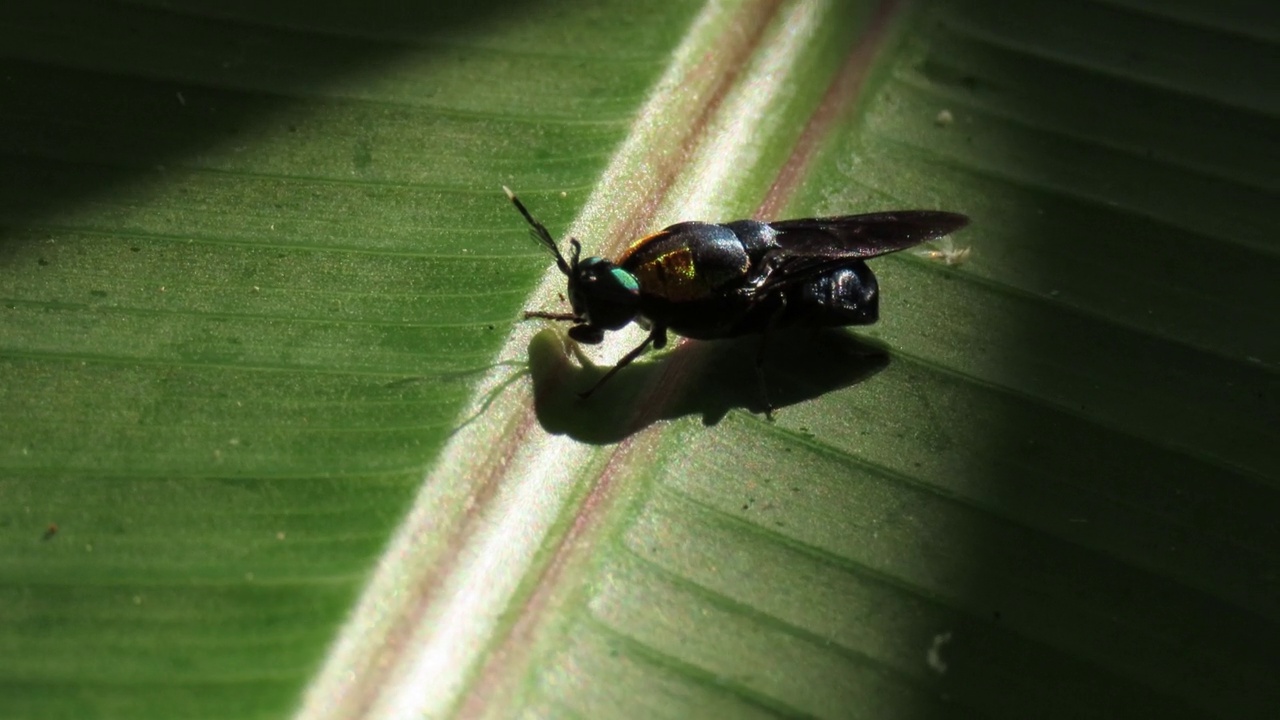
<point x="696" y="378"/>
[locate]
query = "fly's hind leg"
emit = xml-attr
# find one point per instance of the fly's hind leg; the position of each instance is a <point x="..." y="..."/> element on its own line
<point x="764" y="386"/>
<point x="774" y="320"/>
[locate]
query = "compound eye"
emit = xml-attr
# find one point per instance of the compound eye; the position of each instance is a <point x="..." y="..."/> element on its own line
<point x="586" y="334"/>
<point x="608" y="278"/>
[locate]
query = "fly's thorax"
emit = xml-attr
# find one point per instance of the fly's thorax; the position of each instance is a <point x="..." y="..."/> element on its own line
<point x="756" y="237"/>
<point x="687" y="262"/>
<point x="607" y="296"/>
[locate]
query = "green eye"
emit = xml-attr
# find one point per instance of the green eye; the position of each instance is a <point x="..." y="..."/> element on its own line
<point x="626" y="279"/>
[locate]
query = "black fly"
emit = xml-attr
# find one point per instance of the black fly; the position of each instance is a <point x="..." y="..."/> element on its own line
<point x="721" y="280"/>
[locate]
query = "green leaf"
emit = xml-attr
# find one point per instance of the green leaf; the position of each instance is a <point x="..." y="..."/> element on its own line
<point x="273" y="439"/>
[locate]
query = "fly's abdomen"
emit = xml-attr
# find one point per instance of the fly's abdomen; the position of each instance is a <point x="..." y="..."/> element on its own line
<point x="844" y="296"/>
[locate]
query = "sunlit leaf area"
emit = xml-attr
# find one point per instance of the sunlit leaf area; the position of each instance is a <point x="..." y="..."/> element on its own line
<point x="276" y="441"/>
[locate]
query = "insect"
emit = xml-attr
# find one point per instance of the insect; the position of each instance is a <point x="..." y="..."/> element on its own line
<point x="709" y="281"/>
<point x="946" y="252"/>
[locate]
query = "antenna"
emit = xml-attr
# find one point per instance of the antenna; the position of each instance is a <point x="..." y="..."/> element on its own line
<point x="540" y="233"/>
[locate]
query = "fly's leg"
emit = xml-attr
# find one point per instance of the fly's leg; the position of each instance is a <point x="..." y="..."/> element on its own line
<point x="658" y="337"/>
<point x="760" y="357"/>
<point x="770" y="262"/>
<point x="764" y="386"/>
<point x="530" y="314"/>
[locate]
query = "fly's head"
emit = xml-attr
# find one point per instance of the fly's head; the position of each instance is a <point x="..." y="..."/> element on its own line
<point x="604" y="296"/>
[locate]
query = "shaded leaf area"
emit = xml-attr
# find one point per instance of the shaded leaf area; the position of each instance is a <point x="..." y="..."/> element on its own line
<point x="253" y="257"/>
<point x="1058" y="497"/>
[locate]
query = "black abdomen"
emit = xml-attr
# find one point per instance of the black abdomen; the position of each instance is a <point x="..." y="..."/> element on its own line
<point x="845" y="296"/>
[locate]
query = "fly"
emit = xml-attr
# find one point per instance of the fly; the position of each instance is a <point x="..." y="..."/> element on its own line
<point x="710" y="281"/>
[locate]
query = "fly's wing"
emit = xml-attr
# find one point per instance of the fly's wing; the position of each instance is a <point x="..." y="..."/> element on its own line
<point x="812" y="246"/>
<point x="865" y="236"/>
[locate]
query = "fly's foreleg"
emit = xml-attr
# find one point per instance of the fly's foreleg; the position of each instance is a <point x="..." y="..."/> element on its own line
<point x="657" y="337"/>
